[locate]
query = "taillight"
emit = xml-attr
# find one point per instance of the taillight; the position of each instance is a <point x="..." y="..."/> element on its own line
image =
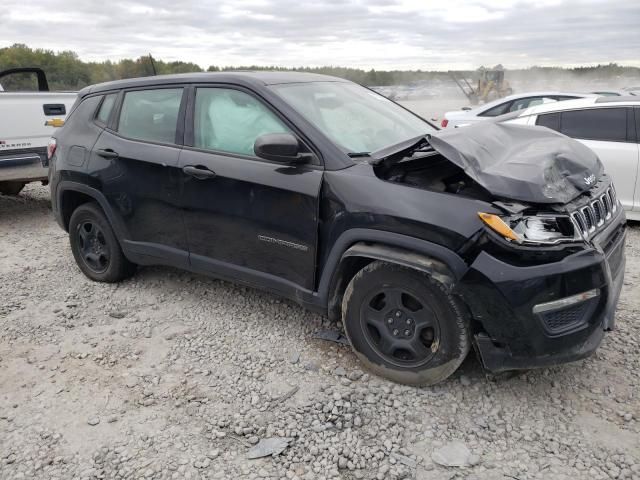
<point x="444" y="123"/>
<point x="51" y="148"/>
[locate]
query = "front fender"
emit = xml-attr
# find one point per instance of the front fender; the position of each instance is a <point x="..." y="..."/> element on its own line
<point x="435" y="268"/>
<point x="388" y="246"/>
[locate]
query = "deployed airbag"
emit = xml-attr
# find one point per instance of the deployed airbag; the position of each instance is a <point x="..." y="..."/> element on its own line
<point x="517" y="162"/>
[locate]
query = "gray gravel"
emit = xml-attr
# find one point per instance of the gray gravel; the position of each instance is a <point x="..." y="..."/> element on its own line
<point x="173" y="375"/>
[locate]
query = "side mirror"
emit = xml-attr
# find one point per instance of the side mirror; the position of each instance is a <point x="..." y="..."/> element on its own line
<point x="279" y="147"/>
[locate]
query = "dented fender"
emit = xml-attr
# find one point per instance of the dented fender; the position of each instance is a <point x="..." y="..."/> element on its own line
<point x="435" y="268"/>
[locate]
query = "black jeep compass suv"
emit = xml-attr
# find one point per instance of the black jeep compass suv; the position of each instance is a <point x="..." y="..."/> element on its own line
<point x="502" y="237"/>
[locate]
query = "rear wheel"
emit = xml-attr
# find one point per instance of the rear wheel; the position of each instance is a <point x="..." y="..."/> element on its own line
<point x="404" y="325"/>
<point x="95" y="247"/>
<point x="11" y="188"/>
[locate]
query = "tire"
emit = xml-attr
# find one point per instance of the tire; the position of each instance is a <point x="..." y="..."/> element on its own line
<point x="95" y="246"/>
<point x="11" y="188"/>
<point x="404" y="325"/>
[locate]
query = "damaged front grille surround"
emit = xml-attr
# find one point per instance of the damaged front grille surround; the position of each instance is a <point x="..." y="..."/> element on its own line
<point x="577" y="221"/>
<point x="589" y="218"/>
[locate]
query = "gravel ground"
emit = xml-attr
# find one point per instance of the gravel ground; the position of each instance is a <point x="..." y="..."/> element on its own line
<point x="173" y="375"/>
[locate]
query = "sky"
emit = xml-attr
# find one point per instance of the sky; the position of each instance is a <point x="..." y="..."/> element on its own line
<point x="380" y="34"/>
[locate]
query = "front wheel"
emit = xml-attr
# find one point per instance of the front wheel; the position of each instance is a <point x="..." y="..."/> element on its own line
<point x="404" y="325"/>
<point x="95" y="246"/>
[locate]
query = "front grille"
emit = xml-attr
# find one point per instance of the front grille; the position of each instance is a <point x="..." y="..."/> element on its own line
<point x="593" y="216"/>
<point x="559" y="321"/>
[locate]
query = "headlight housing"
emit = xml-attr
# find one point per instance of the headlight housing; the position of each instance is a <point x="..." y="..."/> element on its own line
<point x="542" y="229"/>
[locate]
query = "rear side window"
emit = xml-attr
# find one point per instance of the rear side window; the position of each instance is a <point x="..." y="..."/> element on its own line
<point x="549" y="120"/>
<point x="105" y="108"/>
<point x="524" y="103"/>
<point x="497" y="110"/>
<point x="230" y="121"/>
<point x="607" y="124"/>
<point x="150" y="115"/>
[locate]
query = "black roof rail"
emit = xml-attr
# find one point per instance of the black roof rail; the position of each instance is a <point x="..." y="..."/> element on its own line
<point x="43" y="85"/>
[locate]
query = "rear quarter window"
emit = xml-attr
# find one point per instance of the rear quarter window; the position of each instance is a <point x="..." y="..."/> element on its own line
<point x="105" y="108"/>
<point x="549" y="120"/>
<point x="605" y="124"/>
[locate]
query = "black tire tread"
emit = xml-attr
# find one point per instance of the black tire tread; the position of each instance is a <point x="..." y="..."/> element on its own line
<point x="424" y="377"/>
<point x="120" y="268"/>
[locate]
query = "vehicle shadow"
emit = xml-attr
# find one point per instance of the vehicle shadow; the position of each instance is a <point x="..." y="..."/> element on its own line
<point x="25" y="205"/>
<point x="307" y="324"/>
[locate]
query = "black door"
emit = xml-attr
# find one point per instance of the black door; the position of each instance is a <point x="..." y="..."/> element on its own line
<point x="136" y="165"/>
<point x="254" y="220"/>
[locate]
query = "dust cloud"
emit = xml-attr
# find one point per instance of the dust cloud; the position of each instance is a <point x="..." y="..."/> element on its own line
<point x="432" y="98"/>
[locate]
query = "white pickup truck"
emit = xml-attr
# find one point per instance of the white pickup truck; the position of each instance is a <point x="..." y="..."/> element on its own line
<point x="27" y="120"/>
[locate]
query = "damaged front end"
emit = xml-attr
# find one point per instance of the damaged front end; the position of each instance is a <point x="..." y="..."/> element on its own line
<point x="547" y="265"/>
<point x="494" y="161"/>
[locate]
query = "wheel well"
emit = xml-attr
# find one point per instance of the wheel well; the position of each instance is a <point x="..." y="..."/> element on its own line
<point x="362" y="254"/>
<point x="347" y="269"/>
<point x="71" y="200"/>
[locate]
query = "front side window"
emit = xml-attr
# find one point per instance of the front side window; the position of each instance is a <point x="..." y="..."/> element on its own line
<point x="353" y="117"/>
<point x="105" y="108"/>
<point x="607" y="124"/>
<point x="230" y="121"/>
<point x="151" y="115"/>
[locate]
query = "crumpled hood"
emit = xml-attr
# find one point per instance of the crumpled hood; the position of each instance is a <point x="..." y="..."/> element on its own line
<point x="517" y="162"/>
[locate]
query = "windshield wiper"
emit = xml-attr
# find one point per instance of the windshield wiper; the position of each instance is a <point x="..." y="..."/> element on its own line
<point x="359" y="154"/>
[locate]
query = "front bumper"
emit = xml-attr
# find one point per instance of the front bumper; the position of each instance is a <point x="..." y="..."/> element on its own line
<point x="502" y="297"/>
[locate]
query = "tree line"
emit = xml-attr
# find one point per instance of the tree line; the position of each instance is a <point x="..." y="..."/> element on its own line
<point x="65" y="70"/>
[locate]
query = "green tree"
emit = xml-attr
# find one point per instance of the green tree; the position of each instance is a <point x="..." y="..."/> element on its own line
<point x="66" y="71"/>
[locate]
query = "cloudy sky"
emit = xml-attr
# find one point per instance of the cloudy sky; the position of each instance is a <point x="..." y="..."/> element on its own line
<point x="382" y="34"/>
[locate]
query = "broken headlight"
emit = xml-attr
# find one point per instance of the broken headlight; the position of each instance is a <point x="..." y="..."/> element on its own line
<point x="533" y="229"/>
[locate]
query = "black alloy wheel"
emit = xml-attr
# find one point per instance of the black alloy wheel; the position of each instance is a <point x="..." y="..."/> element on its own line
<point x="399" y="327"/>
<point x="404" y="324"/>
<point x="93" y="245"/>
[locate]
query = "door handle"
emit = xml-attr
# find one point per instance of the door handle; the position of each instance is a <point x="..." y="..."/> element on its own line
<point x="201" y="173"/>
<point x="54" y="109"/>
<point x="107" y="153"/>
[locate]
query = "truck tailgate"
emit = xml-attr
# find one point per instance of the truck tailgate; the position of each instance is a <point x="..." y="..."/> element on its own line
<point x="23" y="117"/>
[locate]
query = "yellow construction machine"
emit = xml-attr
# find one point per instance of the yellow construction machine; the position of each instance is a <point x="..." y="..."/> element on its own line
<point x="491" y="85"/>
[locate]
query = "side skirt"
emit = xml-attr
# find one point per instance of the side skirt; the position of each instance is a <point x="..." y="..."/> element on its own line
<point x="144" y="253"/>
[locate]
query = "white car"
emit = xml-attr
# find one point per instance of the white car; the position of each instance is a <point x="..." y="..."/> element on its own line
<point x="610" y="126"/>
<point x="512" y="103"/>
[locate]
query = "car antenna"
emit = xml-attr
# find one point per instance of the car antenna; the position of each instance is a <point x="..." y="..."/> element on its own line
<point x="153" y="65"/>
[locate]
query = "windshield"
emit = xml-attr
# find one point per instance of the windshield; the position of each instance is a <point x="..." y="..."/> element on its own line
<point x="355" y="118"/>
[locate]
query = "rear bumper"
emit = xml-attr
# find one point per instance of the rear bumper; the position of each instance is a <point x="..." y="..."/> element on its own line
<point x="513" y="334"/>
<point x="22" y="165"/>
